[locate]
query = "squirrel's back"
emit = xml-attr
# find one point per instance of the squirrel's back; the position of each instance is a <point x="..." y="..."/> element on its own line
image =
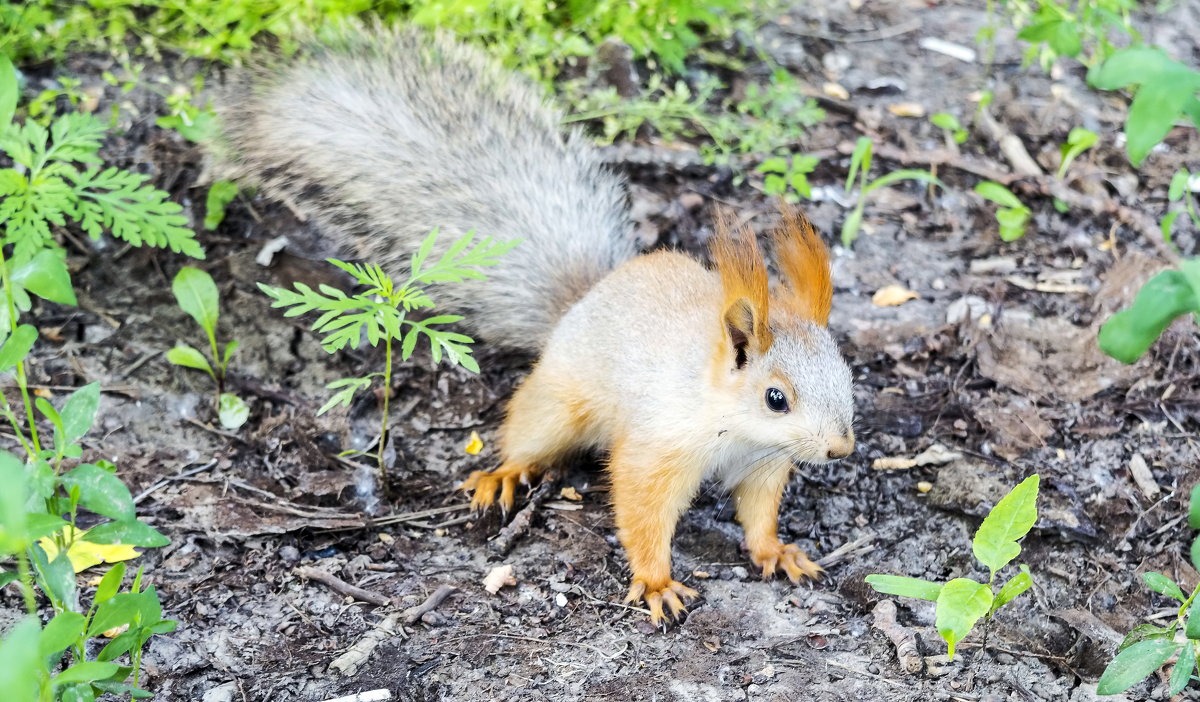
<point x="383" y="136"/>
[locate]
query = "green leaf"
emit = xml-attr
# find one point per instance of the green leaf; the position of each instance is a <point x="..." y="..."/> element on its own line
<point x="1194" y="508"/>
<point x="220" y="194"/>
<point x="79" y="413"/>
<point x="1196" y="553"/>
<point x="904" y="586"/>
<point x="230" y="349"/>
<point x="1155" y="107"/>
<point x="46" y="276"/>
<point x="1014" y="587"/>
<point x="960" y="604"/>
<point x="1145" y="632"/>
<point x="61" y="632"/>
<point x="1179" y="183"/>
<point x="349" y="386"/>
<point x="1128" y="67"/>
<point x="40" y="524"/>
<point x="197" y="295"/>
<point x="7" y="577"/>
<point x="14" y="526"/>
<point x="998" y="194"/>
<point x="850" y="227"/>
<point x="1181" y="674"/>
<point x="189" y="357"/>
<point x="232" y="411"/>
<point x="1166" y="223"/>
<point x="860" y="159"/>
<point x="20" y="665"/>
<point x="773" y="165"/>
<point x="1012" y="222"/>
<point x="17" y="347"/>
<point x="134" y="211"/>
<point x="9" y="91"/>
<point x="111" y="582"/>
<point x="86" y="672"/>
<point x="122" y="608"/>
<point x="1130" y="332"/>
<point x="1135" y="663"/>
<point x="131" y="533"/>
<point x="903" y="174"/>
<point x="78" y="692"/>
<point x="995" y="543"/>
<point x="56" y="578"/>
<point x="100" y="491"/>
<point x="1163" y="585"/>
<point x="945" y="120"/>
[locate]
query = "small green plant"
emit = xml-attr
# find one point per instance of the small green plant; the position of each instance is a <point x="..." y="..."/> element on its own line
<point x="1012" y="215"/>
<point x="1164" y="298"/>
<point x="197" y="295"/>
<point x="962" y="602"/>
<point x="788" y="178"/>
<point x="860" y="165"/>
<point x="1083" y="29"/>
<point x="380" y="312"/>
<point x="950" y="123"/>
<point x="1180" y="190"/>
<point x="1148" y="647"/>
<point x="1078" y="141"/>
<point x="1166" y="92"/>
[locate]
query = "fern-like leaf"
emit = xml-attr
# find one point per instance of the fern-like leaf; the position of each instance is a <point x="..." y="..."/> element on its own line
<point x="134" y="211"/>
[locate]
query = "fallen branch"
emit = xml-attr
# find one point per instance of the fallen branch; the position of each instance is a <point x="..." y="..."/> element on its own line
<point x="904" y="640"/>
<point x="519" y="525"/>
<point x="412" y="614"/>
<point x="341" y="586"/>
<point x="349" y="662"/>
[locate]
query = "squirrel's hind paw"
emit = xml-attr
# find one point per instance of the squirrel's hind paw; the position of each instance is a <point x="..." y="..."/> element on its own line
<point x="485" y="485"/>
<point x="794" y="563"/>
<point x="655" y="597"/>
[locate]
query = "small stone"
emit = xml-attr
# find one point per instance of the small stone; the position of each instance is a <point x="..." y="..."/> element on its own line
<point x="560" y="599"/>
<point x="740" y="572"/>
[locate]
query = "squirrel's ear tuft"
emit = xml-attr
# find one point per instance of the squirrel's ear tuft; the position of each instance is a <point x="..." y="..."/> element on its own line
<point x="803" y="261"/>
<point x="744" y="283"/>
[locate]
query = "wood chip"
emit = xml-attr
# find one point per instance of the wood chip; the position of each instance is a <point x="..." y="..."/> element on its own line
<point x="834" y="90"/>
<point x="498" y="577"/>
<point x="892" y="296"/>
<point x="907" y="109"/>
<point x="946" y="48"/>
<point x="935" y="455"/>
<point x="570" y="493"/>
<point x="1143" y="477"/>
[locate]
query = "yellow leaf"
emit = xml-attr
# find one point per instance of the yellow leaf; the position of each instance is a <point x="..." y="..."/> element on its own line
<point x="85" y="554"/>
<point x="570" y="493"/>
<point x="834" y="90"/>
<point x="893" y="295"/>
<point x="907" y="109"/>
<point x="475" y="445"/>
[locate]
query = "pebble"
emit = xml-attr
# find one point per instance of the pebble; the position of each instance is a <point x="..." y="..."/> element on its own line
<point x="740" y="572"/>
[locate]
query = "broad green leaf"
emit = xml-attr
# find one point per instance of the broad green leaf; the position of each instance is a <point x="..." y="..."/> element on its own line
<point x="17" y="347"/>
<point x="61" y="631"/>
<point x="79" y="413"/>
<point x="78" y="692"/>
<point x="1135" y="663"/>
<point x="230" y="349"/>
<point x="189" y="357"/>
<point x="945" y="120"/>
<point x="14" y="522"/>
<point x="960" y="604"/>
<point x="1128" y="67"/>
<point x="995" y="543"/>
<point x="1194" y="508"/>
<point x="46" y="276"/>
<point x="122" y="608"/>
<point x="55" y="576"/>
<point x="850" y="227"/>
<point x="773" y="165"/>
<point x="86" y="672"/>
<point x="101" y="491"/>
<point x="9" y="91"/>
<point x="1196" y="553"/>
<point x="85" y="553"/>
<point x="1192" y="630"/>
<point x="7" y="577"/>
<point x="110" y="583"/>
<point x="1155" y="107"/>
<point x="1182" y="673"/>
<point x="1163" y="585"/>
<point x="131" y="533"/>
<point x="1130" y="332"/>
<point x="998" y="194"/>
<point x="1012" y="222"/>
<point x="1179" y="183"/>
<point x="20" y="664"/>
<point x="1015" y="586"/>
<point x="232" y="411"/>
<point x="1145" y="632"/>
<point x="220" y="194"/>
<point x="1166" y="223"/>
<point x="40" y="525"/>
<point x="198" y="296"/>
<point x="905" y="587"/>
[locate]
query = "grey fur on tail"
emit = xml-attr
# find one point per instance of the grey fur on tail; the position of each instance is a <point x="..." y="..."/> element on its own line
<point x="384" y="135"/>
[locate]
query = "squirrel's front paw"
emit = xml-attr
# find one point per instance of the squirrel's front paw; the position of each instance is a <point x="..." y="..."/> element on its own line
<point x="504" y="480"/>
<point x="790" y="558"/>
<point x="657" y="595"/>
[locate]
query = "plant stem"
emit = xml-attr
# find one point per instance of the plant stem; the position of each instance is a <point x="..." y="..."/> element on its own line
<point x="22" y="380"/>
<point x="387" y="394"/>
<point x="26" y="582"/>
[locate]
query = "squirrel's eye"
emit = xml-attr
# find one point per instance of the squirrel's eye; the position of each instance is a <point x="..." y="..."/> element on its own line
<point x="776" y="400"/>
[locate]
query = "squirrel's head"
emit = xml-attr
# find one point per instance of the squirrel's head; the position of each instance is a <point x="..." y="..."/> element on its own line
<point x="778" y="364"/>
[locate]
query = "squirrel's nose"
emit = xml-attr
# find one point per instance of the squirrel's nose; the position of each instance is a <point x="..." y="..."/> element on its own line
<point x="841" y="446"/>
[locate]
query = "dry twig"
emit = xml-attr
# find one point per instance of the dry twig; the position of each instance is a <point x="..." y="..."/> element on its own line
<point x="341" y="586"/>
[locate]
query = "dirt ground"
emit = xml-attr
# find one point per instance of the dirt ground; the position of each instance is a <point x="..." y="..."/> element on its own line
<point x="995" y="361"/>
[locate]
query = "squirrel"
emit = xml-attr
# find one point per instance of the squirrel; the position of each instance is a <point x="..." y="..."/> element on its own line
<point x="678" y="372"/>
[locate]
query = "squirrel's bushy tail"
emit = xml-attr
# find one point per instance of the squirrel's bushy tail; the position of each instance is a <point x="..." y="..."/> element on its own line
<point x="383" y="135"/>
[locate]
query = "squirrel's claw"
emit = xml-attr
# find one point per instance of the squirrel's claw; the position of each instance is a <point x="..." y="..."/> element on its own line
<point x="790" y="558"/>
<point x="669" y="594"/>
<point x="504" y="480"/>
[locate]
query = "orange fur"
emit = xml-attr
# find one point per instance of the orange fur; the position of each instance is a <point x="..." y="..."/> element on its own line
<point x="803" y="262"/>
<point x="743" y="277"/>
